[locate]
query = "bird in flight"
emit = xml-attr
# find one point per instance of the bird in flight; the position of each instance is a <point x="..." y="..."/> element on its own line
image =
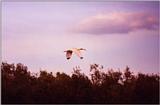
<point x="77" y="51"/>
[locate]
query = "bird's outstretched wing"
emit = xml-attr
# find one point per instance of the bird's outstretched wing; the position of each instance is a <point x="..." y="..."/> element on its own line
<point x="68" y="54"/>
<point x="78" y="53"/>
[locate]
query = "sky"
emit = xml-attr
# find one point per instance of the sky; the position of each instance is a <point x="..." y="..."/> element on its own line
<point x="115" y="34"/>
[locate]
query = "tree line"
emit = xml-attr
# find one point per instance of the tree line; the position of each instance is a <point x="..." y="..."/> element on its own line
<point x="19" y="86"/>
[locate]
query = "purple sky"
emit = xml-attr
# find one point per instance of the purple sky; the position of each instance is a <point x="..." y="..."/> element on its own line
<point x="115" y="34"/>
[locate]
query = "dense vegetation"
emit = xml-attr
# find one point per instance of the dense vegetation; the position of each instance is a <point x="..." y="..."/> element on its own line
<point x="21" y="86"/>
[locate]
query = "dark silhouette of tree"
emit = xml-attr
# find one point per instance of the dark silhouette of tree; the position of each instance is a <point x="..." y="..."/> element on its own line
<point x="19" y="86"/>
<point x="81" y="87"/>
<point x="146" y="89"/>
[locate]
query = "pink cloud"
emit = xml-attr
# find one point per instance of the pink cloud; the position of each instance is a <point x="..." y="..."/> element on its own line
<point x="117" y="22"/>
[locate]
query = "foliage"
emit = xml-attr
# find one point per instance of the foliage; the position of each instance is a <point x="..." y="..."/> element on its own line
<point x="19" y="86"/>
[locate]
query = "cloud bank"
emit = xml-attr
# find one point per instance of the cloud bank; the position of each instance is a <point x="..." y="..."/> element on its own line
<point x="117" y="22"/>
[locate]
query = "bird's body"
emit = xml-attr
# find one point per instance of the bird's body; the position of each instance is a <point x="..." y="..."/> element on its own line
<point x="77" y="51"/>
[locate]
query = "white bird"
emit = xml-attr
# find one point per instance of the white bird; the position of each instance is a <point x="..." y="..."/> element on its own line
<point x="77" y="51"/>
